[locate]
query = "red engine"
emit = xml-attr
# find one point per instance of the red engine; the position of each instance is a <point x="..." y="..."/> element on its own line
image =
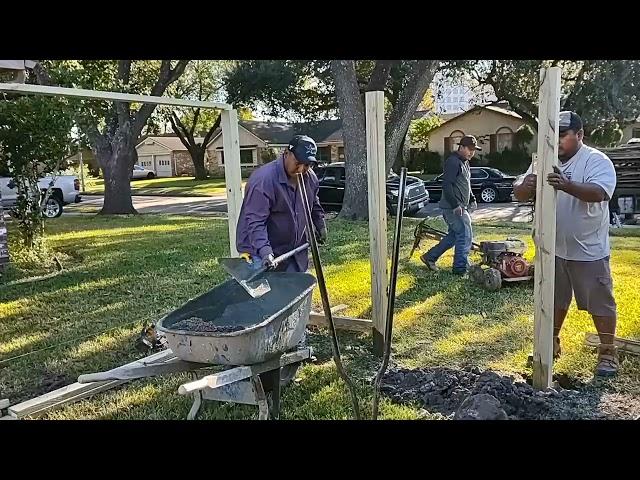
<point x="507" y="257"/>
<point x="513" y="266"/>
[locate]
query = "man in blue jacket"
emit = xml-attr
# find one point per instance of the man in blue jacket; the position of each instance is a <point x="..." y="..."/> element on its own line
<point x="457" y="199"/>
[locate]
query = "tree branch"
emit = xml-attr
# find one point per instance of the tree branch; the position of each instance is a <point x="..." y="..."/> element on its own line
<point x="207" y="137"/>
<point x="412" y="94"/>
<point x="166" y="77"/>
<point x="196" y="115"/>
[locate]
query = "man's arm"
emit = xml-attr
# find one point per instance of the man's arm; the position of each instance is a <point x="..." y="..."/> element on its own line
<point x="524" y="187"/>
<point x="599" y="185"/>
<point x="451" y="171"/>
<point x="257" y="208"/>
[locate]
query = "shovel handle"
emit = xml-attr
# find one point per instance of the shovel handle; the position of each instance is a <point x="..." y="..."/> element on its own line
<point x="284" y="256"/>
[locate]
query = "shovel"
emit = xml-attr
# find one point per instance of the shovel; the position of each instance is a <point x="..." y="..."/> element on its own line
<point x="243" y="272"/>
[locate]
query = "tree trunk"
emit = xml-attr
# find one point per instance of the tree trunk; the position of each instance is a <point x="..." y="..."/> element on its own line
<point x="355" y="205"/>
<point x="402" y="158"/>
<point x="117" y="163"/>
<point x="197" y="156"/>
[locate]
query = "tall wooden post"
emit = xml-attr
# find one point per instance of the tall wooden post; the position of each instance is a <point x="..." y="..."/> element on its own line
<point x="232" y="173"/>
<point x="545" y="227"/>
<point x="377" y="215"/>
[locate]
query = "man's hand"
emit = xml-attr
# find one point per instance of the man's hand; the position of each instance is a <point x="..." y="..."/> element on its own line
<point x="473" y="206"/>
<point x="457" y="211"/>
<point x="321" y="236"/>
<point x="269" y="262"/>
<point x="558" y="180"/>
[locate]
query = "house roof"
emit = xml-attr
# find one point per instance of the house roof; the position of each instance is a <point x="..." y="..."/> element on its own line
<point x="279" y="133"/>
<point x="493" y="108"/>
<point x="170" y="142"/>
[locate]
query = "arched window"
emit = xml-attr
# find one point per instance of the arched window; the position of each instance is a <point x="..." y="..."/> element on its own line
<point x="504" y="139"/>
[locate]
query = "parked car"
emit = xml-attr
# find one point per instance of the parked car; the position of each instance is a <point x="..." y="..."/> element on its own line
<point x="487" y="184"/>
<point x="65" y="190"/>
<point x="332" y="183"/>
<point x="141" y="172"/>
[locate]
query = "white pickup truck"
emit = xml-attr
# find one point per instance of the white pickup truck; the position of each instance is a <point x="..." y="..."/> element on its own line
<point x="65" y="190"/>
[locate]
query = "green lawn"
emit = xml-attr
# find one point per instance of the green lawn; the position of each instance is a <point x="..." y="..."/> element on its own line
<point x="181" y="186"/>
<point x="122" y="272"/>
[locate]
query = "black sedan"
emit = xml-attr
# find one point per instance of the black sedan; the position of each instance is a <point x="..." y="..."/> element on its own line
<point x="488" y="185"/>
<point x="332" y="183"/>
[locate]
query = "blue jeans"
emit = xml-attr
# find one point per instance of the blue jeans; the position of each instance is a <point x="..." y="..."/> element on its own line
<point x="459" y="235"/>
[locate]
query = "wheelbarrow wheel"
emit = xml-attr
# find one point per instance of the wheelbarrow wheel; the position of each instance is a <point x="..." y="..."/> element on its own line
<point x="492" y="279"/>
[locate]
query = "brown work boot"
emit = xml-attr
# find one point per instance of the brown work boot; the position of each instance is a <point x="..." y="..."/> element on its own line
<point x="607" y="361"/>
<point x="430" y="265"/>
<point x="557" y="351"/>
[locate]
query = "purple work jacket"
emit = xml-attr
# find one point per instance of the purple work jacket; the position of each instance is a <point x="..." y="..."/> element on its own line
<point x="272" y="215"/>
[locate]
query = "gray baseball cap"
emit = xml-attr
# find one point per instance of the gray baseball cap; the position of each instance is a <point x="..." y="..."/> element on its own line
<point x="570" y="121"/>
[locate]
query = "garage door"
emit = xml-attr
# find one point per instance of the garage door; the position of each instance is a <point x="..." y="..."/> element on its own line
<point x="163" y="166"/>
<point x="146" y="161"/>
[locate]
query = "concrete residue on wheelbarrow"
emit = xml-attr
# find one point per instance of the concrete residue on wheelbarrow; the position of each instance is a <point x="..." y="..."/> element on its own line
<point x="231" y="309"/>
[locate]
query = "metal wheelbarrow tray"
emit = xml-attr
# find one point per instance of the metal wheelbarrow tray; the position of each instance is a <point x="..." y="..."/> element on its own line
<point x="272" y="324"/>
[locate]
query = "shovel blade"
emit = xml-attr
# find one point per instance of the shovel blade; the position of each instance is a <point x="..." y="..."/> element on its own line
<point x="257" y="288"/>
<point x="238" y="268"/>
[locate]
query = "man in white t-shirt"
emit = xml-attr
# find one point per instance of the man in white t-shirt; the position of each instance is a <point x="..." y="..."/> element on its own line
<point x="585" y="181"/>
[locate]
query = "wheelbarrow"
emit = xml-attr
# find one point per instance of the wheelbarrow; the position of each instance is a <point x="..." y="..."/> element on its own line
<point x="263" y="354"/>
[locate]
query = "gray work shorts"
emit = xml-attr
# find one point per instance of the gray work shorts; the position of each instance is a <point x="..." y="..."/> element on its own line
<point x="590" y="283"/>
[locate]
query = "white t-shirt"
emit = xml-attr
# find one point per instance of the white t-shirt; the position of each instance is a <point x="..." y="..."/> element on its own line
<point x="582" y="228"/>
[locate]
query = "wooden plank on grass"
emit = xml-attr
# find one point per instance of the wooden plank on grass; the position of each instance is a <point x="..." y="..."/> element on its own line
<point x="624" y="344"/>
<point x="377" y="183"/>
<point x="78" y="391"/>
<point x="545" y="227"/>
<point x="4" y="403"/>
<point x="342" y="323"/>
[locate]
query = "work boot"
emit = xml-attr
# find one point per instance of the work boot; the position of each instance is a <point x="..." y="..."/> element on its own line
<point x="607" y="361"/>
<point x="557" y="351"/>
<point x="431" y="265"/>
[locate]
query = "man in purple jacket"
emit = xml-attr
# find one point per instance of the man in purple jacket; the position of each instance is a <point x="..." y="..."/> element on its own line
<point x="272" y="220"/>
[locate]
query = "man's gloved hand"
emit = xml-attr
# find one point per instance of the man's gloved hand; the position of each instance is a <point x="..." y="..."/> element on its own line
<point x="321" y="236"/>
<point x="269" y="262"/>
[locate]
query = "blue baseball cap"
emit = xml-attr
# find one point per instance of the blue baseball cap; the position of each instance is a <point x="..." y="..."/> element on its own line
<point x="304" y="148"/>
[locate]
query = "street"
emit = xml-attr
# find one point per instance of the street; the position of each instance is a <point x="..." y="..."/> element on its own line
<point x="215" y="206"/>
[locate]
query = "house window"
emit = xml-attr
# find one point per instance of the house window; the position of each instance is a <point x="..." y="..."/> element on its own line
<point x="324" y="154"/>
<point x="246" y="156"/>
<point x="635" y="133"/>
<point x="340" y="153"/>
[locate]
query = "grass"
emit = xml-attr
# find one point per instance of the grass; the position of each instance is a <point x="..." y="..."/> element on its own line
<point x="122" y="272"/>
<point x="179" y="186"/>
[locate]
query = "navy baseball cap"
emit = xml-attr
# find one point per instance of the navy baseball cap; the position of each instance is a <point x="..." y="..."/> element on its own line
<point x="304" y="148"/>
<point x="569" y="121"/>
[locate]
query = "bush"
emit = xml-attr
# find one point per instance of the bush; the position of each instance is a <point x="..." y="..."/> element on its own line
<point x="424" y="161"/>
<point x="509" y="161"/>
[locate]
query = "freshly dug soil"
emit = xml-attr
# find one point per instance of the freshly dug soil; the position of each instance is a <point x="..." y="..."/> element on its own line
<point x="443" y="390"/>
<point x="197" y="324"/>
